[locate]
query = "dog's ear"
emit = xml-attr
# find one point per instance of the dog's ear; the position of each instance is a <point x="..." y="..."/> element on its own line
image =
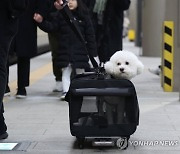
<point x="108" y="66"/>
<point x="140" y="67"/>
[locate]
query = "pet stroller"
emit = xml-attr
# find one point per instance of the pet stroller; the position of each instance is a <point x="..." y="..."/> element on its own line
<point x="87" y="109"/>
<point x="85" y="95"/>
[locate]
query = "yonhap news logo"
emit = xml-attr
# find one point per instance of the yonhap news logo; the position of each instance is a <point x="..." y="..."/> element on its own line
<point x="154" y="143"/>
<point x="167" y="143"/>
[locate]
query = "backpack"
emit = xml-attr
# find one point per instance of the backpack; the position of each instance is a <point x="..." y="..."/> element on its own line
<point x="17" y="7"/>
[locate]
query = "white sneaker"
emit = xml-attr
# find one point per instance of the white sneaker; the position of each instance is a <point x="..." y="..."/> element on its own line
<point x="156" y="71"/>
<point x="63" y="96"/>
<point x="57" y="87"/>
<point x="7" y="94"/>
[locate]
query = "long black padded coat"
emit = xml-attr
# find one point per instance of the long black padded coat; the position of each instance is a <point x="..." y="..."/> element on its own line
<point x="111" y="37"/>
<point x="70" y="49"/>
<point x="25" y="41"/>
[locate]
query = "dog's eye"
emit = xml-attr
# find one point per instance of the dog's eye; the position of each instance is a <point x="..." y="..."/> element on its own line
<point x="127" y="63"/>
<point x="118" y="63"/>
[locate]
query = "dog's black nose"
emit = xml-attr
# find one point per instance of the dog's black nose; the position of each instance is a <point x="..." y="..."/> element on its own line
<point x="122" y="69"/>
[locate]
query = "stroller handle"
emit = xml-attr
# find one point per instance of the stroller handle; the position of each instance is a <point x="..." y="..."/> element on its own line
<point x="103" y="91"/>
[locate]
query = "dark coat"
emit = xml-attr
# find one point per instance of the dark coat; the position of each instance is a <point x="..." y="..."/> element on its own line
<point x="112" y="28"/>
<point x="90" y="5"/>
<point x="70" y="49"/>
<point x="25" y="42"/>
<point x="8" y="26"/>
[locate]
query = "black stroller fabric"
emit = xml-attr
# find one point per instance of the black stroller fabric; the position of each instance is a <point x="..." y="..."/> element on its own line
<point x="85" y="89"/>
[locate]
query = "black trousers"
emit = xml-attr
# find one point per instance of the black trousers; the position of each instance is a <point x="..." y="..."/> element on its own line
<point x="3" y="127"/>
<point x="56" y="71"/>
<point x="8" y="29"/>
<point x="3" y="61"/>
<point x="23" y="72"/>
<point x="53" y="37"/>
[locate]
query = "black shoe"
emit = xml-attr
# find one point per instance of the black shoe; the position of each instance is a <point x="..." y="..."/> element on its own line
<point x="21" y="93"/>
<point x="7" y="92"/>
<point x="3" y="135"/>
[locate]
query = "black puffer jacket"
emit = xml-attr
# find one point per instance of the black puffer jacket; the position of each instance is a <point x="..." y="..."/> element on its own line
<point x="70" y="48"/>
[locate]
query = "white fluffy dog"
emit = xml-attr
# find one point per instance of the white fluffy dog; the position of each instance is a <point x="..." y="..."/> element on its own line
<point x="122" y="65"/>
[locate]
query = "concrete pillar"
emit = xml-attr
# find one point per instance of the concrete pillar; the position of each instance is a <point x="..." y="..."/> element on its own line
<point x="135" y="16"/>
<point x="133" y="20"/>
<point x="138" y="38"/>
<point x="171" y="58"/>
<point x="179" y="39"/>
<point x="152" y="18"/>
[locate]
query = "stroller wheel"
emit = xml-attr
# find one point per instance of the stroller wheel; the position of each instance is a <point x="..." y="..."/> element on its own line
<point x="80" y="142"/>
<point x="122" y="143"/>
